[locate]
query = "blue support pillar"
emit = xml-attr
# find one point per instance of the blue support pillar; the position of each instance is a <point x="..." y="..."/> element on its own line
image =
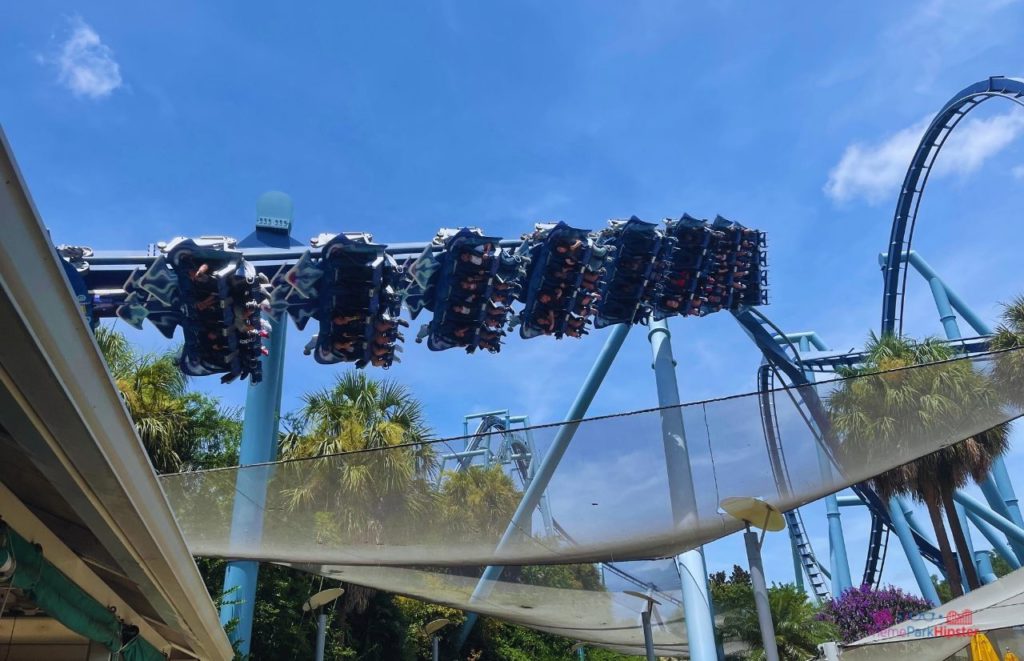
<point x="521" y="519"/>
<point x="998" y="505"/>
<point x="259" y="434"/>
<point x="839" y="564"/>
<point x="917" y="566"/>
<point x="700" y="626"/>
<point x="798" y="567"/>
<point x="984" y="562"/>
<point x="259" y="445"/>
<point x="1005" y="487"/>
<point x="1013" y="532"/>
<point x="996" y="539"/>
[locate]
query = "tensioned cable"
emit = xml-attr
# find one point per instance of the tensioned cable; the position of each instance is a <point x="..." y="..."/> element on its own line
<point x="549" y="425"/>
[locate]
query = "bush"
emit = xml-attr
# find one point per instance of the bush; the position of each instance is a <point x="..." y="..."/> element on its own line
<point x="863" y="611"/>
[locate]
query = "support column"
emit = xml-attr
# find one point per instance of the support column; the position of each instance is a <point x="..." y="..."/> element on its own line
<point x="321" y="635"/>
<point x="259" y="445"/>
<point x="924" y="580"/>
<point x="757" y="582"/>
<point x="984" y="563"/>
<point x="1012" y="532"/>
<point x="645" y="619"/>
<point x="538" y="486"/>
<point x="798" y="567"/>
<point x="997" y="541"/>
<point x="700" y="627"/>
<point x="839" y="563"/>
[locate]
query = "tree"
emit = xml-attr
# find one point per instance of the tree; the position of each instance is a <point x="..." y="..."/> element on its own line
<point x="874" y="415"/>
<point x="180" y="430"/>
<point x="863" y="611"/>
<point x="370" y="496"/>
<point x="1009" y="367"/>
<point x="798" y="629"/>
<point x="477" y="503"/>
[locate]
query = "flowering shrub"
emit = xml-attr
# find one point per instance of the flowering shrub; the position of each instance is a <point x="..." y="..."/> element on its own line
<point x="862" y="611"/>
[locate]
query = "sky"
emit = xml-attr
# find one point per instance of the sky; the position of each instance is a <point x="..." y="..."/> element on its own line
<point x="136" y="123"/>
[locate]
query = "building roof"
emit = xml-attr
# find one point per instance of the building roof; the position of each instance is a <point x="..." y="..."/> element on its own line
<point x="72" y="465"/>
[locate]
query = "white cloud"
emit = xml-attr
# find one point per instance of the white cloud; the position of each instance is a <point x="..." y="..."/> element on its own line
<point x="874" y="172"/>
<point x="86" y="65"/>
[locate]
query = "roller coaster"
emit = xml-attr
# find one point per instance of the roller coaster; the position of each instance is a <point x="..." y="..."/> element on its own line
<point x="556" y="280"/>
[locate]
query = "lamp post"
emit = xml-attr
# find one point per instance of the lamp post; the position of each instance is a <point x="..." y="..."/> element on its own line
<point x="645" y="618"/>
<point x="760" y="514"/>
<point x="431" y="630"/>
<point x="317" y="603"/>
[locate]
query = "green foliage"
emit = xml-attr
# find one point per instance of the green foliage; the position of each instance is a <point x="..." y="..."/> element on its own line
<point x="181" y="430"/>
<point x="1009" y="367"/>
<point x="798" y="631"/>
<point x="186" y="430"/>
<point x="888" y="415"/>
<point x="734" y="592"/>
<point x="1000" y="568"/>
<point x="477" y="503"/>
<point x="877" y="417"/>
<point x="567" y="577"/>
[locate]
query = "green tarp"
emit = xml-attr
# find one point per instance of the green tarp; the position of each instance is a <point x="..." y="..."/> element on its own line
<point x="64" y="601"/>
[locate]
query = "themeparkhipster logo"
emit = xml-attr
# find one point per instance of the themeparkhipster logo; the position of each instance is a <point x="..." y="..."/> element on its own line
<point x="953" y="624"/>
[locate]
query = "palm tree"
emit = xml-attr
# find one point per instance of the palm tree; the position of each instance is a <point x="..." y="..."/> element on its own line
<point x="874" y="415"/>
<point x="354" y="415"/>
<point x="477" y="503"/>
<point x="798" y="631"/>
<point x="154" y="392"/>
<point x="351" y="493"/>
<point x="1009" y="367"/>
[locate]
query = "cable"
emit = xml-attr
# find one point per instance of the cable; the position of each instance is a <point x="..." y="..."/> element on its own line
<point x="788" y="389"/>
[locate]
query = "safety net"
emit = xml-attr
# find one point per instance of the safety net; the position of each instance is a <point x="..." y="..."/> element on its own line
<point x="996" y="610"/>
<point x="635" y="486"/>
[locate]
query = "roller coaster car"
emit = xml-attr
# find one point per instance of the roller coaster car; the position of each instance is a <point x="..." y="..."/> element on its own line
<point x="469" y="292"/>
<point x="708" y="268"/>
<point x="358" y="306"/>
<point x="150" y="294"/>
<point x="675" y="287"/>
<point x="632" y="247"/>
<point x="564" y="274"/>
<point x="221" y="296"/>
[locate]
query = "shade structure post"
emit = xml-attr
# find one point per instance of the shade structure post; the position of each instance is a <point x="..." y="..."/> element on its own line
<point x="645" y="618"/>
<point x="700" y="626"/>
<point x="764" y="611"/>
<point x="321" y="635"/>
<point x="546" y="470"/>
<point x="435" y="648"/>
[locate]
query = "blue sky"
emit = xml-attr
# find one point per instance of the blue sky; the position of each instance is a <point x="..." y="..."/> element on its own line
<point x="137" y="123"/>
